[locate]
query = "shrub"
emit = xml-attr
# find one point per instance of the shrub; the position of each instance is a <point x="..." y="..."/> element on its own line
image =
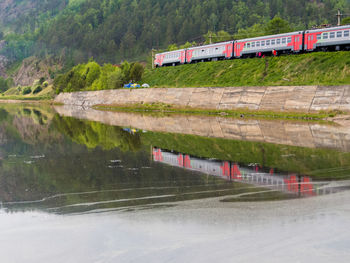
<point x="136" y="72"/>
<point x="26" y="90"/>
<point x="115" y="79"/>
<point x="41" y="80"/>
<point x="37" y="89"/>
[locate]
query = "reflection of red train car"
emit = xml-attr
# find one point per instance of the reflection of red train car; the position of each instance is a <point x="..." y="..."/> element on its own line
<point x="232" y="171"/>
<point x="334" y="38"/>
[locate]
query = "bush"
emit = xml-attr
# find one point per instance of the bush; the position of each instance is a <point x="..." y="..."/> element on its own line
<point x="26" y="90"/>
<point x="3" y="85"/>
<point x="45" y="84"/>
<point x="136" y="72"/>
<point x="41" y="80"/>
<point x="115" y="79"/>
<point x="37" y="89"/>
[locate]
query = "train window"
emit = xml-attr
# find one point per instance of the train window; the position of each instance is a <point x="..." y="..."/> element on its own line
<point x="339" y="34"/>
<point x="319" y="36"/>
<point x="283" y="40"/>
<point x="325" y="35"/>
<point x="278" y="41"/>
<point x="346" y="33"/>
<point x="332" y="35"/>
<point x="248" y="45"/>
<point x="289" y="40"/>
<point x="262" y="43"/>
<point x="257" y="44"/>
<point x="253" y="44"/>
<point x="267" y="42"/>
<point x="273" y="42"/>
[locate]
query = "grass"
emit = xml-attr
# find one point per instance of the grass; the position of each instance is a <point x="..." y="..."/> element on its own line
<point x="14" y="94"/>
<point x="161" y="108"/>
<point x="321" y="68"/>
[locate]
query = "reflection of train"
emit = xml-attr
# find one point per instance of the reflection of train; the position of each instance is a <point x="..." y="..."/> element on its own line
<point x="334" y="38"/>
<point x="300" y="185"/>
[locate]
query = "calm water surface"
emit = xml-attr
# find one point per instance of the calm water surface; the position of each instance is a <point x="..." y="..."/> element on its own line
<point x="75" y="187"/>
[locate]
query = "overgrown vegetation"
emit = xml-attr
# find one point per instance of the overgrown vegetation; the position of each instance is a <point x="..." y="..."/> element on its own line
<point x="92" y="76"/>
<point x="331" y="68"/>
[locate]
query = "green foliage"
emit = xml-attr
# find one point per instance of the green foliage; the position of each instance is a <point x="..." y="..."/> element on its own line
<point x="187" y="45"/>
<point x="3" y="85"/>
<point x="26" y="90"/>
<point x="221" y="36"/>
<point x="92" y="76"/>
<point x="37" y="89"/>
<point x="136" y="72"/>
<point x="330" y="69"/>
<point x="111" y="30"/>
<point x="277" y="26"/>
<point x="173" y="47"/>
<point x="45" y="84"/>
<point x="346" y="21"/>
<point x="95" y="134"/>
<point x="255" y="30"/>
<point x="93" y="71"/>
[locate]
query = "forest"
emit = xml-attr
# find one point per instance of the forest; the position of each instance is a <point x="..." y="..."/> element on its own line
<point x="111" y="31"/>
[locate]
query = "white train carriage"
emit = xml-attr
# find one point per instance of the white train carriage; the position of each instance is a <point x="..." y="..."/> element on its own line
<point x="335" y="38"/>
<point x="288" y="42"/>
<point x="206" y="166"/>
<point x="170" y="58"/>
<point x="223" y="50"/>
<point x="171" y="159"/>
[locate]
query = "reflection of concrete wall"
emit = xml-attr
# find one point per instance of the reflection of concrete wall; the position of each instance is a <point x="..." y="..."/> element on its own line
<point x="293" y="98"/>
<point x="311" y="135"/>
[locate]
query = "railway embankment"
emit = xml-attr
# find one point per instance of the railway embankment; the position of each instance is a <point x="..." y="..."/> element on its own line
<point x="319" y="68"/>
<point x="305" y="99"/>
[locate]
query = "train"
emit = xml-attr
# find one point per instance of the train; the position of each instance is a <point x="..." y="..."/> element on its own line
<point x="253" y="174"/>
<point x="325" y="39"/>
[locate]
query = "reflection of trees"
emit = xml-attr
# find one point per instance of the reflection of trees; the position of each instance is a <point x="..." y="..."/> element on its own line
<point x="94" y="134"/>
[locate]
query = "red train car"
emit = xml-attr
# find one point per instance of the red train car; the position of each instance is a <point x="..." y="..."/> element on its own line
<point x="333" y="38"/>
<point x="223" y="50"/>
<point x="170" y="58"/>
<point x="283" y="43"/>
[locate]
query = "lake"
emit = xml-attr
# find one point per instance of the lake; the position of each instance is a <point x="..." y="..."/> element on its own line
<point x="81" y="185"/>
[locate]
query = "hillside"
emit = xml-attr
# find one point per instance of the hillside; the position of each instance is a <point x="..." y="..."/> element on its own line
<point x="114" y="30"/>
<point x="331" y="68"/>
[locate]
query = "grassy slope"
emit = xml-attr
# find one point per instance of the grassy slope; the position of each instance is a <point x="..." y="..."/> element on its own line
<point x="331" y="68"/>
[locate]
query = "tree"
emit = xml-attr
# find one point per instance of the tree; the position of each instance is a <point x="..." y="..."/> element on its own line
<point x="136" y="72"/>
<point x="277" y="26"/>
<point x="346" y="21"/>
<point x="173" y="47"/>
<point x="254" y="31"/>
<point x="3" y="85"/>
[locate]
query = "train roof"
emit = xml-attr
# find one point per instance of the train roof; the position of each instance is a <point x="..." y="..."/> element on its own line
<point x="327" y="29"/>
<point x="212" y="45"/>
<point x="168" y="52"/>
<point x="269" y="36"/>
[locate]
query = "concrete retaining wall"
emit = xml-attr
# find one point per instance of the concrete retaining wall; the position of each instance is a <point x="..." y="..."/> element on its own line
<point x="290" y="98"/>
